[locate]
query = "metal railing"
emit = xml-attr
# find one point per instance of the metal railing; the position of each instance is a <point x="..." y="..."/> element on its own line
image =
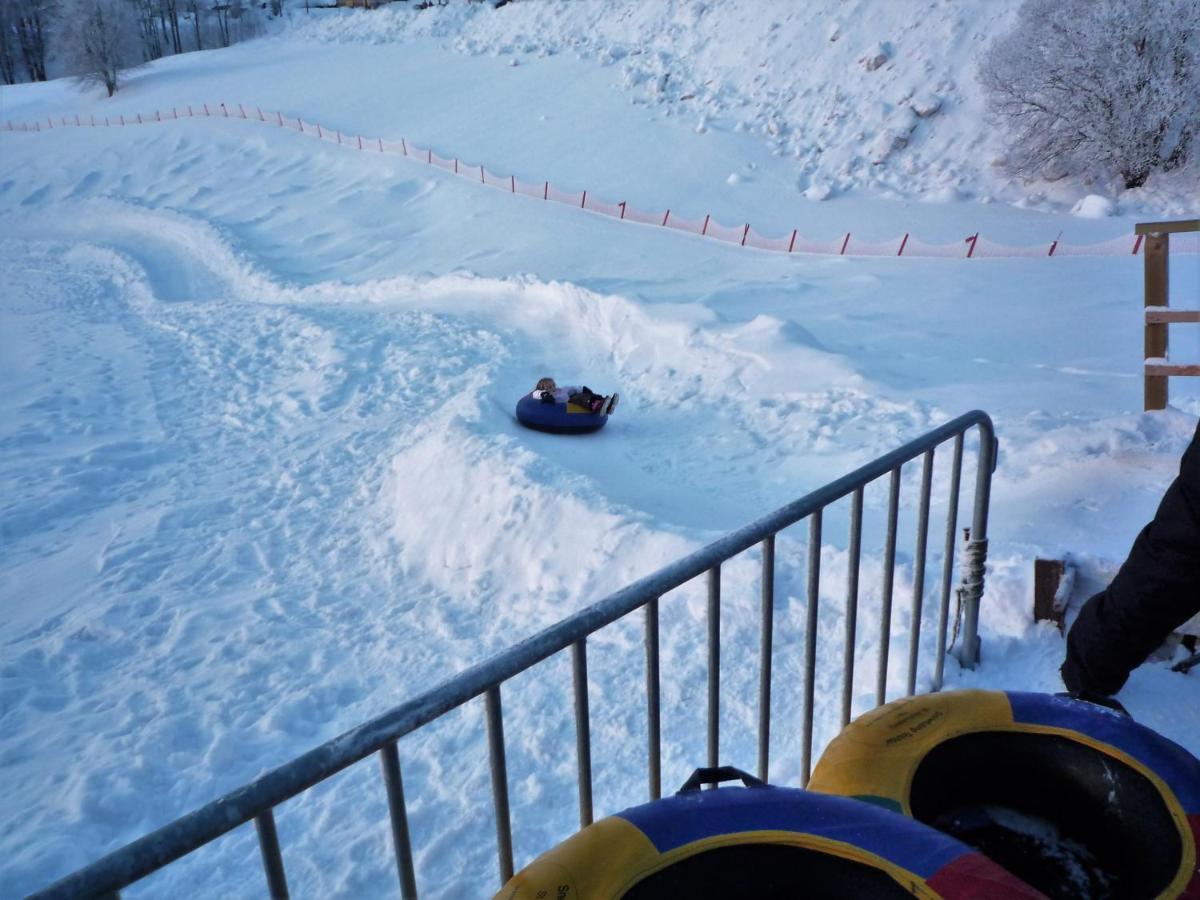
<point x="257" y="800"/>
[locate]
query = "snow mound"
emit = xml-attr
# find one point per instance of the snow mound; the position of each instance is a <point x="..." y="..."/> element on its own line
<point x="1093" y="206"/>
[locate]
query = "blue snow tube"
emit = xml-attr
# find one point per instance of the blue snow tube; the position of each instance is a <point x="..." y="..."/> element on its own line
<point x="558" y="418"/>
<point x="760" y="841"/>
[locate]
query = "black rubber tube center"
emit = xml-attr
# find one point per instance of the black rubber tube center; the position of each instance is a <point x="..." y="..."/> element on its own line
<point x="767" y="872"/>
<point x="1064" y="817"/>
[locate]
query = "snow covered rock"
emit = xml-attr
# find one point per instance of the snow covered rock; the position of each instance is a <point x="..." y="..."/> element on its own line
<point x="1093" y="206"/>
<point x="875" y="57"/>
<point x="818" y="190"/>
<point x="926" y="105"/>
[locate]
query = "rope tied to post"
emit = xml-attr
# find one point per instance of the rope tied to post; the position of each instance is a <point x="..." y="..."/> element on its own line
<point x="974" y="556"/>
<point x="972" y="562"/>
<point x="971" y="591"/>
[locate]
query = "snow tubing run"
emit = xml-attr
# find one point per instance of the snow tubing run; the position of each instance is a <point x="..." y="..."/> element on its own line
<point x="558" y="418"/>
<point x="1073" y="798"/>
<point x="759" y="841"/>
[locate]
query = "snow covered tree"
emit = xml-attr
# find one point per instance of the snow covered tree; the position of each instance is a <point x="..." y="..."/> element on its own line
<point x="1096" y="86"/>
<point x="98" y="40"/>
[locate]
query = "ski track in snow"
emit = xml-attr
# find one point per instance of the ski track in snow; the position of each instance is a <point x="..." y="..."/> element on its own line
<point x="260" y="481"/>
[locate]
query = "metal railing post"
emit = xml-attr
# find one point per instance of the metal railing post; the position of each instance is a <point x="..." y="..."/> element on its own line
<point x="714" y="667"/>
<point x="389" y="761"/>
<point x="810" y="643"/>
<point x="976" y="550"/>
<point x="268" y="843"/>
<point x="583" y="737"/>
<point x="653" y="711"/>
<point x="948" y="562"/>
<point x="495" y="730"/>
<point x="889" y="577"/>
<point x="855" y="553"/>
<point x="765" y="650"/>
<point x="918" y="602"/>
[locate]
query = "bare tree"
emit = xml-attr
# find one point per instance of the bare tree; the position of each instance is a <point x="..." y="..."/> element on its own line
<point x="1097" y="86"/>
<point x="98" y="40"/>
<point x="152" y="44"/>
<point x="169" y="14"/>
<point x="195" y="8"/>
<point x="23" y="28"/>
<point x="8" y="44"/>
<point x="221" y="10"/>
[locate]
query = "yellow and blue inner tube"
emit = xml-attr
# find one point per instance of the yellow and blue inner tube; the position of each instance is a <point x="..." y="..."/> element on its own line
<point x="763" y="842"/>
<point x="1052" y="788"/>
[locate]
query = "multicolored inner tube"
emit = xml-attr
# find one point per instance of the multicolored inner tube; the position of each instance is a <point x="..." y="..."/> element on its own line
<point x="761" y="842"/>
<point x="558" y="418"/>
<point x="1073" y="798"/>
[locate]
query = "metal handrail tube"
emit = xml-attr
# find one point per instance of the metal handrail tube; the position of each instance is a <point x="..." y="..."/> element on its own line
<point x="268" y="842"/>
<point x="855" y="554"/>
<point x="714" y="667"/>
<point x="948" y="562"/>
<point x="178" y="838"/>
<point x="977" y="546"/>
<point x="810" y="643"/>
<point x="499" y="767"/>
<point x="389" y="761"/>
<point x="764" y="676"/>
<point x="583" y="731"/>
<point x="889" y="577"/>
<point x="653" y="709"/>
<point x="914" y="645"/>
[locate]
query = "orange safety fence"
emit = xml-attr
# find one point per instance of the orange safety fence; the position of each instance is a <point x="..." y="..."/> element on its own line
<point x="972" y="246"/>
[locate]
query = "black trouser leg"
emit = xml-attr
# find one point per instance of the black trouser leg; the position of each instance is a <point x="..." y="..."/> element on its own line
<point x="1156" y="590"/>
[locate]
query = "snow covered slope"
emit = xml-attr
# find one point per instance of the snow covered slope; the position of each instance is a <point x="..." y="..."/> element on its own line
<point x="260" y="480"/>
<point x="859" y="95"/>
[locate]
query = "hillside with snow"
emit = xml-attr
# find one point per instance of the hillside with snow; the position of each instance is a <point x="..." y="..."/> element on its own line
<point x="259" y="474"/>
<point x="858" y="96"/>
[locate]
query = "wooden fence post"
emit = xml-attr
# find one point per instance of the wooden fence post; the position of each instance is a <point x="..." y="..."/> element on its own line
<point x="1155" y="344"/>
<point x="1158" y="316"/>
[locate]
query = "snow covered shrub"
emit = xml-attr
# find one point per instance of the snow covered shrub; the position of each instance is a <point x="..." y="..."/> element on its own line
<point x="1097" y="86"/>
<point x="98" y="39"/>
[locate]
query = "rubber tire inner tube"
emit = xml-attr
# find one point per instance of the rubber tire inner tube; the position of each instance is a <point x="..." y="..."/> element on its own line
<point x="768" y="872"/>
<point x="1075" y="823"/>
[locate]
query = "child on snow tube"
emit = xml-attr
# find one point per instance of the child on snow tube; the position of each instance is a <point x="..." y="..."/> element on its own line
<point x="549" y="392"/>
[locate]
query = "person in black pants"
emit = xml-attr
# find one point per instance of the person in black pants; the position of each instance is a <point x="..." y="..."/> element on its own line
<point x="1156" y="590"/>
